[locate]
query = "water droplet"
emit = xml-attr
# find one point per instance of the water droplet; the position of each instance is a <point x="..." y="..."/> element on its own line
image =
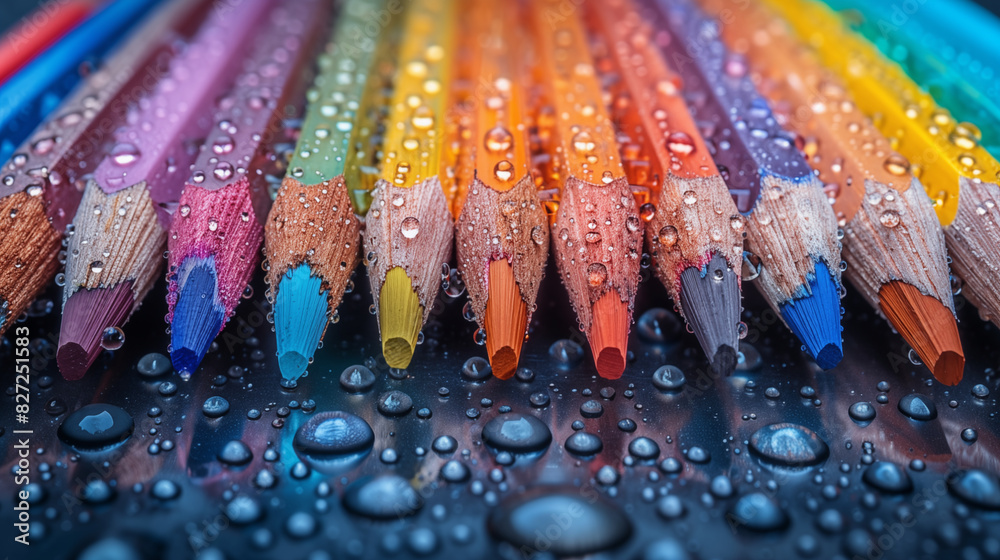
<point x="386" y="497"/>
<point x="215" y="407"/>
<point x="410" y="227"/>
<point x="668" y="378"/>
<point x="758" y="512"/>
<point x="112" y="338"/>
<point x="788" y="445"/>
<point x="918" y="407"/>
<point x="667" y="236"/>
<point x="889" y="218"/>
<point x="124" y="154"/>
<point x="516" y="433"/>
<point x="498" y="140"/>
<point x="862" y="412"/>
<point x="223" y="171"/>
<point x="334" y="433"/>
<point x="597" y="274"/>
<point x="357" y="379"/>
<point x="235" y="453"/>
<point x="584" y="444"/>
<point x="583" y="142"/>
<point x="887" y="477"/>
<point x="504" y="170"/>
<point x="476" y="369"/>
<point x="680" y="144"/>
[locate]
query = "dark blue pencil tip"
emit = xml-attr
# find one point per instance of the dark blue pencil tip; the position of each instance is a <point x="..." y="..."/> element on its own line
<point x="198" y="315"/>
<point x="815" y="318"/>
<point x="300" y="317"/>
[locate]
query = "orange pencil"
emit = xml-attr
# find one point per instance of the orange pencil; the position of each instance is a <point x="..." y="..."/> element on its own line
<point x="598" y="233"/>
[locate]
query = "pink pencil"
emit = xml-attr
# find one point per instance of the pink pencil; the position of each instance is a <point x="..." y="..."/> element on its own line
<point x="120" y="228"/>
<point x="216" y="235"/>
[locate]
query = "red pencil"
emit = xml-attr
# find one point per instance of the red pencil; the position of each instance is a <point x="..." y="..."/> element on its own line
<point x="37" y="31"/>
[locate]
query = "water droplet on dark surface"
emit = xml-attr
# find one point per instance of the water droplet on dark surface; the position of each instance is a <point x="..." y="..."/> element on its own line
<point x="301" y="525"/>
<point x="670" y="507"/>
<point x="153" y="365"/>
<point x="566" y="353"/>
<point x="166" y="490"/>
<point x="757" y="512"/>
<point x="658" y="326"/>
<point x="668" y="378"/>
<point x="788" y="445"/>
<point x="110" y="548"/>
<point x="214" y="407"/>
<point x="665" y="549"/>
<point x="887" y="477"/>
<point x="596" y="525"/>
<point x="334" y="433"/>
<point x="980" y="391"/>
<point x="386" y="496"/>
<point x="644" y="448"/>
<point x="357" y="379"/>
<point x="591" y="409"/>
<point x="977" y="488"/>
<point x="698" y="455"/>
<point x="394" y="403"/>
<point x="584" y="444"/>
<point x="96" y="426"/>
<point x="243" y="510"/>
<point x="235" y="453"/>
<point x="918" y="407"/>
<point x="455" y="471"/>
<point x="444" y="444"/>
<point x="517" y="433"/>
<point x="97" y="492"/>
<point x="476" y="368"/>
<point x="862" y="412"/>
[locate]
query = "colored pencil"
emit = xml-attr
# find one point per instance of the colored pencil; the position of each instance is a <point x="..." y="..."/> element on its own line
<point x="312" y="236"/>
<point x="409" y="229"/>
<point x="694" y="232"/>
<point x="501" y="234"/>
<point x="121" y="226"/>
<point x="35" y="206"/>
<point x="893" y="244"/>
<point x="791" y="229"/>
<point x="38" y="31"/>
<point x="28" y="96"/>
<point x="939" y="50"/>
<point x="598" y="233"/>
<point x="959" y="175"/>
<point x="215" y="237"/>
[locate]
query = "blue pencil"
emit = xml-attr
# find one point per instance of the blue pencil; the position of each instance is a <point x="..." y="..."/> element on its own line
<point x="31" y="94"/>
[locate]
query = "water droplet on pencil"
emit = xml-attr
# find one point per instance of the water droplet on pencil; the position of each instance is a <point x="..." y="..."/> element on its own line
<point x="410" y="227"/>
<point x="498" y="140"/>
<point x="124" y="154"/>
<point x="889" y="218"/>
<point x="667" y="236"/>
<point x="597" y="274"/>
<point x="504" y="170"/>
<point x="896" y="164"/>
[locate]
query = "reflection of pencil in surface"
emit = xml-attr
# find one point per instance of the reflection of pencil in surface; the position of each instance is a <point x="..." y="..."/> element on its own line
<point x="893" y="245"/>
<point x="36" y="208"/>
<point x="598" y="234"/>
<point x="27" y="97"/>
<point x="312" y="237"/>
<point x="960" y="177"/>
<point x="791" y="228"/>
<point x="501" y="235"/>
<point x="28" y="39"/>
<point x="216" y="234"/>
<point x="120" y="227"/>
<point x="409" y="229"/>
<point x="694" y="232"/>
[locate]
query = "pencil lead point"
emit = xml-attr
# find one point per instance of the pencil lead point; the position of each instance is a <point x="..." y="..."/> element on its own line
<point x="300" y="317"/>
<point x="400" y="318"/>
<point x="815" y="318"/>
<point x="506" y="319"/>
<point x="609" y="334"/>
<point x="928" y="326"/>
<point x="199" y="315"/>
<point x="710" y="298"/>
<point x="86" y="315"/>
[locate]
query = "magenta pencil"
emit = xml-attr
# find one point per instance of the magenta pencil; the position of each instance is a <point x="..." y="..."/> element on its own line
<point x="215" y="237"/>
<point x="119" y="231"/>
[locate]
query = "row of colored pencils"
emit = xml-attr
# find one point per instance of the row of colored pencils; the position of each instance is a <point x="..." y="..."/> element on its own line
<point x="762" y="141"/>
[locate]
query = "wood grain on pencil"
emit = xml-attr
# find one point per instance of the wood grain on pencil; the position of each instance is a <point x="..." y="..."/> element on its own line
<point x="501" y="232"/>
<point x="791" y="230"/>
<point x="694" y="231"/>
<point x="313" y="237"/>
<point x="120" y="228"/>
<point x="37" y="207"/>
<point x="893" y="245"/>
<point x="597" y="230"/>
<point x="409" y="228"/>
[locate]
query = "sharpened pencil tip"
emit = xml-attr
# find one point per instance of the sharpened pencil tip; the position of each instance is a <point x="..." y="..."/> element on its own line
<point x="815" y="318"/>
<point x="506" y="319"/>
<point x="710" y="298"/>
<point x="198" y="316"/>
<point x="400" y="318"/>
<point x="928" y="326"/>
<point x="725" y="359"/>
<point x="609" y="335"/>
<point x="300" y="316"/>
<point x="86" y="315"/>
